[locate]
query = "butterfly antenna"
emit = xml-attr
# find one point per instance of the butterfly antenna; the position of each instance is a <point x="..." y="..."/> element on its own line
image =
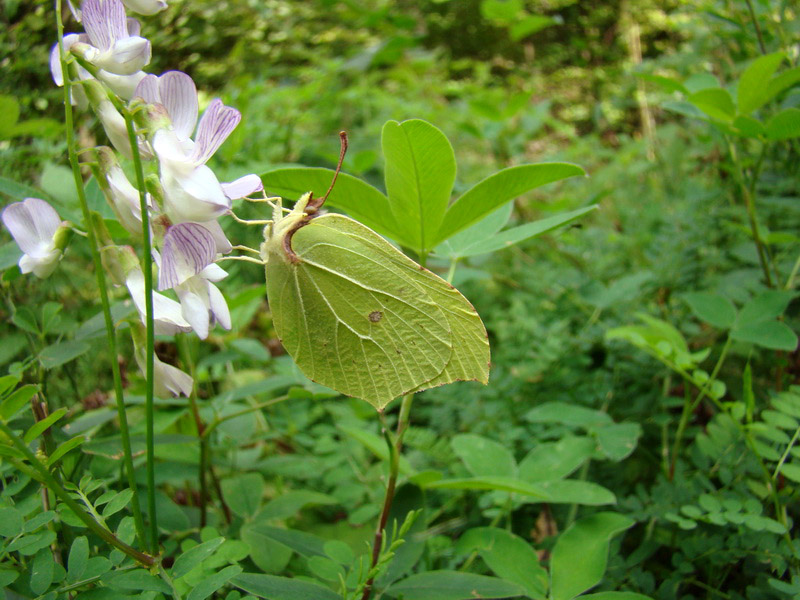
<point x="316" y="203"/>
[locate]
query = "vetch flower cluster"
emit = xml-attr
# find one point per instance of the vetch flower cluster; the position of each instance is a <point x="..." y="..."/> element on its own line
<point x="184" y="197"/>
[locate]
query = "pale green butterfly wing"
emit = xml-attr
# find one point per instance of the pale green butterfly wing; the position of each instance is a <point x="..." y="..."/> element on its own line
<point x="470" y="358"/>
<point x="353" y="313"/>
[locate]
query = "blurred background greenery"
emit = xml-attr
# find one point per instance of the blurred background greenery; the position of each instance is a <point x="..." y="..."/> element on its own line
<point x="509" y="82"/>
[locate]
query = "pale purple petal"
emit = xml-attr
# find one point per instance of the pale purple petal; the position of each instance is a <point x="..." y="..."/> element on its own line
<point x="145" y="7"/>
<point x="172" y="154"/>
<point x="147" y="89"/>
<point x="196" y="312"/>
<point x="32" y="224"/>
<point x="215" y="126"/>
<point x="196" y="197"/>
<point x="125" y="57"/>
<point x="55" y="59"/>
<point x="219" y="308"/>
<point x="179" y="95"/>
<point x="105" y="22"/>
<point x="115" y="127"/>
<point x="171" y="380"/>
<point x="168" y="380"/>
<point x="222" y="242"/>
<point x="213" y="272"/>
<point x="243" y="187"/>
<point x="188" y="249"/>
<point x="133" y="25"/>
<point x="123" y="86"/>
<point x="167" y="316"/>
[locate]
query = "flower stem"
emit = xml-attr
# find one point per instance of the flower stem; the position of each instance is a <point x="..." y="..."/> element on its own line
<point x="394" y="469"/>
<point x="111" y="339"/>
<point x="41" y="473"/>
<point x="147" y="269"/>
<point x="690" y="406"/>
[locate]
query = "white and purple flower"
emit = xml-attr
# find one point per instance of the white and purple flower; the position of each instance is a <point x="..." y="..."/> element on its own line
<point x="39" y="232"/>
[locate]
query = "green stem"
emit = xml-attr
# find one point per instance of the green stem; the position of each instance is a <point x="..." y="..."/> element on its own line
<point x="689" y="408"/>
<point x="220" y="420"/>
<point x="751" y="213"/>
<point x="41" y="472"/>
<point x="394" y="469"/>
<point x="790" y="281"/>
<point x="757" y="26"/>
<point x="785" y="454"/>
<point x="186" y="355"/>
<point x="111" y="340"/>
<point x="452" y="271"/>
<point x="147" y="260"/>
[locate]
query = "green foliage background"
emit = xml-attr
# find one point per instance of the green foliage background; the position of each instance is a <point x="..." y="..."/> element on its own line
<point x="671" y="223"/>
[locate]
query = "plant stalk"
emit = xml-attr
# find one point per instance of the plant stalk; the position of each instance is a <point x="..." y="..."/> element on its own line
<point x="391" y="484"/>
<point x="111" y="339"/>
<point x="147" y="260"/>
<point x="47" y="478"/>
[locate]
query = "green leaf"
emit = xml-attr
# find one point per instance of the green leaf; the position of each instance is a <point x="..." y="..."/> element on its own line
<point x="457" y="245"/>
<point x="712" y="308"/>
<point x="39" y="427"/>
<point x="269" y="555"/>
<point x="358" y="316"/>
<point x="137" y="580"/>
<point x="573" y="491"/>
<point x="554" y="460"/>
<point x="580" y="555"/>
<point x="667" y="84"/>
<point x="420" y="171"/>
<point x="498" y="189"/>
<point x="483" y="456"/>
<point x="304" y="543"/>
<point x="783" y="81"/>
<point x="748" y="126"/>
<point x="212" y="583"/>
<point x="60" y="353"/>
<point x="618" y="440"/>
<point x="509" y="556"/>
<point x="615" y="596"/>
<point x="271" y="587"/>
<point x="567" y="414"/>
<point x="19" y="191"/>
<point x="16" y="401"/>
<point x="769" y="334"/>
<point x="503" y="484"/>
<point x="9" y="255"/>
<point x="791" y="471"/>
<point x="715" y="102"/>
<point x="764" y="307"/>
<point x="42" y="571"/>
<point x="118" y="502"/>
<point x="292" y="502"/>
<point x="453" y="585"/>
<point x="558" y="492"/>
<point x="194" y="556"/>
<point x="784" y="125"/>
<point x="11" y="522"/>
<point x="753" y="89"/>
<point x="78" y="559"/>
<point x="64" y="448"/>
<point x="9" y="108"/>
<point x="357" y="198"/>
<point x="243" y="493"/>
<point x="509" y="237"/>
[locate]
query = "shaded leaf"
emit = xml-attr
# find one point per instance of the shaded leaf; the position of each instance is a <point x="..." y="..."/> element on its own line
<point x="498" y="189"/>
<point x="453" y="585"/>
<point x="580" y="555"/>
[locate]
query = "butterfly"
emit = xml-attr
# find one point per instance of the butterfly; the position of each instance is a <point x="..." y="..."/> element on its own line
<point x="359" y="316"/>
